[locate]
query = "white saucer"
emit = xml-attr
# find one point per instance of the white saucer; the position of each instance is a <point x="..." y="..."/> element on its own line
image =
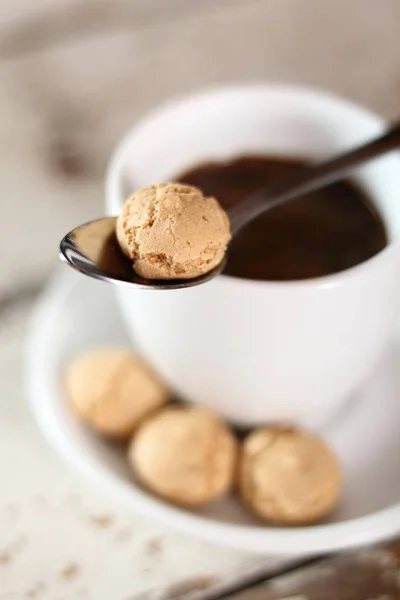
<point x="76" y="313"/>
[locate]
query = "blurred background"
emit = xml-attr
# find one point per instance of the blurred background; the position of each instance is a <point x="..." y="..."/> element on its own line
<point x="74" y="75"/>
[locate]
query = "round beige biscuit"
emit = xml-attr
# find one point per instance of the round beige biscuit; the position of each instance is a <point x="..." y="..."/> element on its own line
<point x="172" y="231"/>
<point x="185" y="455"/>
<point x="288" y="476"/>
<point x="112" y="390"/>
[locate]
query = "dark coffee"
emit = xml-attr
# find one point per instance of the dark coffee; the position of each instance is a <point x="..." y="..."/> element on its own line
<point x="318" y="234"/>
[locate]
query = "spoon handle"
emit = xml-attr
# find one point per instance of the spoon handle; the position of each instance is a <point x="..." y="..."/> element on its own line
<point x="316" y="177"/>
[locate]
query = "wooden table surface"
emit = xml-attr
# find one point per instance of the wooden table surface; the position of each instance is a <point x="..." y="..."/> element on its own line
<point x="74" y="74"/>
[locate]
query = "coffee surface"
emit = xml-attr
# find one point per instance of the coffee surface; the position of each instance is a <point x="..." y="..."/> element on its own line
<point x="321" y="233"/>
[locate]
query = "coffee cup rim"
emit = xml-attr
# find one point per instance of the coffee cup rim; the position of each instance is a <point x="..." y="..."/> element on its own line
<point x="313" y="94"/>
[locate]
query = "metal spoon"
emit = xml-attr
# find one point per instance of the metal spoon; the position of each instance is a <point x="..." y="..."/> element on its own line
<point x="93" y="250"/>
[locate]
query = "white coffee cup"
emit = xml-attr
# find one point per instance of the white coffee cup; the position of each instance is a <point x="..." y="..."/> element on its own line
<point x="262" y="351"/>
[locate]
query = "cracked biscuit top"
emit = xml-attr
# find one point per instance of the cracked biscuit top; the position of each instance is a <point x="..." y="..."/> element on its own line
<point x="288" y="476"/>
<point x="172" y="231"/>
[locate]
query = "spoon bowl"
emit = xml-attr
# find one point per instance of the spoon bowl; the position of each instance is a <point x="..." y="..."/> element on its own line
<point x="92" y="249"/>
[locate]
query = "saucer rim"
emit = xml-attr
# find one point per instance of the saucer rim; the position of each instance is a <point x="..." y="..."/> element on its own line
<point x="42" y="390"/>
